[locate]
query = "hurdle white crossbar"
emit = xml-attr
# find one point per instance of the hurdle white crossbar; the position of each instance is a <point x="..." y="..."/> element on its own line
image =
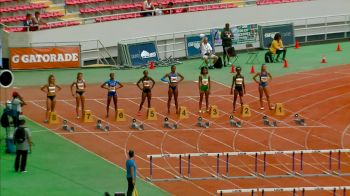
<point x="294" y="190"/>
<point x="213" y="176"/>
<point x="155" y="156"/>
<point x="230" y="191"/>
<point x="251" y="175"/>
<point x="293" y="153"/>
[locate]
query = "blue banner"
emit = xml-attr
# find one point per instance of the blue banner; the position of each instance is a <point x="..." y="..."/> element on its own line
<point x="267" y="34"/>
<point x="193" y="43"/>
<point x="143" y="53"/>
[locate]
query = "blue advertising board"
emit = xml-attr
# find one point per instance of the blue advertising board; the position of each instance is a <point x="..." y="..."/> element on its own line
<point x="267" y="34"/>
<point x="193" y="43"/>
<point x="143" y="53"/>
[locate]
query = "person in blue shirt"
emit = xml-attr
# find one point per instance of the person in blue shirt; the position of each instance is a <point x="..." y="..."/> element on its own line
<point x="173" y="80"/>
<point x="112" y="85"/>
<point x="131" y="172"/>
<point x="264" y="79"/>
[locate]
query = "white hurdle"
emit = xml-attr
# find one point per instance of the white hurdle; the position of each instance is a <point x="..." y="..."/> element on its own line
<point x="294" y="190"/>
<point x="296" y="169"/>
<point x="213" y="176"/>
<point x="175" y="178"/>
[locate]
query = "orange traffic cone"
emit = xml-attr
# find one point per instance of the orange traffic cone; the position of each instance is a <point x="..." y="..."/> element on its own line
<point x="296" y="44"/>
<point x="323" y="59"/>
<point x="338" y="48"/>
<point x="151" y="65"/>
<point x="233" y="68"/>
<point x="252" y="70"/>
<point x="285" y="63"/>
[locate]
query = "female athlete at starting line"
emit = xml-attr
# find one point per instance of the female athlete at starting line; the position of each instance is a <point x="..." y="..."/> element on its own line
<point x="50" y="89"/>
<point x="146" y="88"/>
<point x="239" y="88"/>
<point x="112" y="85"/>
<point x="173" y="80"/>
<point x="264" y="79"/>
<point x="80" y="87"/>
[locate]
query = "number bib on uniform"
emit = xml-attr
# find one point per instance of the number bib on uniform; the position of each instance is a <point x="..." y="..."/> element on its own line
<point x="205" y="82"/>
<point x="52" y="89"/>
<point x="173" y="79"/>
<point x="264" y="78"/>
<point x="146" y="83"/>
<point x="239" y="81"/>
<point x="112" y="89"/>
<point x="80" y="86"/>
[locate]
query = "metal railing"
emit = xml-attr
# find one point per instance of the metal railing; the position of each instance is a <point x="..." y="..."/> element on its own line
<point x="174" y="43"/>
<point x="98" y="52"/>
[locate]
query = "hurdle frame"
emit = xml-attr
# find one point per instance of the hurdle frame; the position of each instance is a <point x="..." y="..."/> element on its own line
<point x="213" y="177"/>
<point x="175" y="178"/>
<point x="252" y="175"/>
<point x="288" y="174"/>
<point x="294" y="190"/>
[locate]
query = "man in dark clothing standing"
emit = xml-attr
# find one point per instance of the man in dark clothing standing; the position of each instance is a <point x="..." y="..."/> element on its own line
<point x="226" y="37"/>
<point x="23" y="141"/>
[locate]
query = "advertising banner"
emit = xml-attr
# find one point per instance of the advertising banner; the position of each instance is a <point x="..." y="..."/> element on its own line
<point x="267" y="34"/>
<point x="45" y="58"/>
<point x="143" y="53"/>
<point x="193" y="43"/>
<point x="242" y="34"/>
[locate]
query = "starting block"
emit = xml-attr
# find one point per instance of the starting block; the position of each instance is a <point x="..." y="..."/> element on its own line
<point x="279" y="109"/>
<point x="200" y="123"/>
<point x="134" y="125"/>
<point x="53" y="118"/>
<point x="166" y="124"/>
<point x="120" y="115"/>
<point x="151" y="114"/>
<point x="101" y="127"/>
<point x="245" y="111"/>
<point x="268" y="123"/>
<point x="66" y="127"/>
<point x="183" y="113"/>
<point x="298" y="120"/>
<point x="87" y="116"/>
<point x="214" y="112"/>
<point x="235" y="123"/>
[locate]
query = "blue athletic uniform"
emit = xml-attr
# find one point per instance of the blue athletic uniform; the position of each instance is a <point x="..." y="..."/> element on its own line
<point x="173" y="80"/>
<point x="112" y="84"/>
<point x="263" y="79"/>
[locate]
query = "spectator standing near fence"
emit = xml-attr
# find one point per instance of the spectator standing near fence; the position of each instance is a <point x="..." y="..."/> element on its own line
<point x="17" y="102"/>
<point x="226" y="37"/>
<point x="23" y="141"/>
<point x="131" y="172"/>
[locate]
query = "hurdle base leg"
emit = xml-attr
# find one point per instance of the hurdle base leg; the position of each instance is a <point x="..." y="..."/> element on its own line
<point x="313" y="175"/>
<point x="239" y="177"/>
<point x="212" y="177"/>
<point x="176" y="178"/>
<point x="287" y="175"/>
<point x="341" y="174"/>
